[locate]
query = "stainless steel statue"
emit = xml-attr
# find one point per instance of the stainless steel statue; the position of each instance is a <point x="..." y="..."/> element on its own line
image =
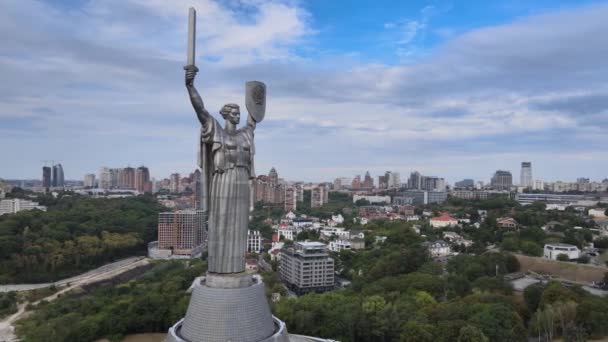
<point x="227" y="303"/>
<point x="226" y="161"/>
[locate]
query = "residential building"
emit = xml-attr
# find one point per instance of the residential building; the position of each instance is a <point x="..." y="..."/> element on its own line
<point x="432" y="183"/>
<point x="318" y="196"/>
<point x="291" y="198"/>
<point x="268" y="190"/>
<point x="368" y="181"/>
<point x="421" y="197"/>
<point x="46" y="177"/>
<point x="538" y="185"/>
<point x="288" y="232"/>
<point x="465" y="184"/>
<point x="89" y="180"/>
<point x="415" y="181"/>
<point x="339" y="245"/>
<point x="58" y="176"/>
<point x="442" y="221"/>
<point x="302" y="222"/>
<point x="105" y="179"/>
<point x="525" y="178"/>
<point x="553" y="250"/>
<point x="183" y="231"/>
<point x="502" y="180"/>
<point x="439" y="249"/>
<point x="142" y="180"/>
<point x="372" y="199"/>
<point x="506" y="223"/>
<point x="356" y="183"/>
<point x="126" y="178"/>
<point x="175" y="182"/>
<point x="598" y="213"/>
<point x="307" y="267"/>
<point x="254" y="241"/>
<point x="300" y="193"/>
<point x="15" y="205"/>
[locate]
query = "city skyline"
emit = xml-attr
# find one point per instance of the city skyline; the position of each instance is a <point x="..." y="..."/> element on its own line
<point x="415" y="88"/>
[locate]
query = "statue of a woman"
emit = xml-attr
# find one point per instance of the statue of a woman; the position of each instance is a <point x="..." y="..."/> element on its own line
<point x="226" y="161"/>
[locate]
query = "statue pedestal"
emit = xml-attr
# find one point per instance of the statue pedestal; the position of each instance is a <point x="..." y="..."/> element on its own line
<point x="229" y="307"/>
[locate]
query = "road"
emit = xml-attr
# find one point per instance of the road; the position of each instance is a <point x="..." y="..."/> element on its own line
<point x="104" y="272"/>
<point x="101" y="270"/>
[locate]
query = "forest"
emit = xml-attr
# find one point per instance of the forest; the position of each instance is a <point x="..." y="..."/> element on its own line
<point x="399" y="294"/>
<point x="75" y="234"/>
<point x="151" y="303"/>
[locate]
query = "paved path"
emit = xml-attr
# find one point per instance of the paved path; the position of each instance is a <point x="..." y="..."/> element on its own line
<point x="104" y="272"/>
<point x="97" y="271"/>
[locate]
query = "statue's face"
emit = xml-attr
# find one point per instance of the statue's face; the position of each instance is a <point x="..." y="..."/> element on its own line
<point x="234" y="116"/>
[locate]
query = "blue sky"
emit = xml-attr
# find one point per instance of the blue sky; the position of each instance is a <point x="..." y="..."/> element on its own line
<point x="450" y="88"/>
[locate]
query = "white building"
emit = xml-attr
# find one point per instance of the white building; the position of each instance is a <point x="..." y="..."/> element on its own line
<point x="254" y="241"/>
<point x="439" y="248"/>
<point x="13" y="206"/>
<point x="89" y="180"/>
<point x="334" y="231"/>
<point x="373" y="199"/>
<point x="552" y="250"/>
<point x="290" y="216"/>
<point x="600" y="212"/>
<point x="339" y="245"/>
<point x="289" y="232"/>
<point x="538" y="185"/>
<point x="338" y="219"/>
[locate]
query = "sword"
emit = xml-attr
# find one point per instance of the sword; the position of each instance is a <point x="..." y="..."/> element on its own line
<point x="191" y="39"/>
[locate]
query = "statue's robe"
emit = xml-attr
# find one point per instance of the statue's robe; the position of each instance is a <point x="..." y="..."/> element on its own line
<point x="226" y="161"/>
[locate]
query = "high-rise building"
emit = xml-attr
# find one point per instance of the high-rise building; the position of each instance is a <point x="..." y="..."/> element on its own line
<point x="307" y="267"/>
<point x="58" y="177"/>
<point x="268" y="189"/>
<point x="356" y="183"/>
<point x="273" y="176"/>
<point x="502" y="180"/>
<point x="415" y="181"/>
<point x="115" y="178"/>
<point x="105" y="179"/>
<point x="337" y="184"/>
<point x="368" y="181"/>
<point x="291" y="199"/>
<point x="142" y="180"/>
<point x="393" y="180"/>
<point x="127" y="178"/>
<point x="465" y="183"/>
<point x="175" y="180"/>
<point x="432" y="183"/>
<point x="538" y="185"/>
<point x="525" y="177"/>
<point x="383" y="181"/>
<point x="319" y="196"/>
<point x="300" y="193"/>
<point x="89" y="180"/>
<point x="181" y="231"/>
<point x="46" y="177"/>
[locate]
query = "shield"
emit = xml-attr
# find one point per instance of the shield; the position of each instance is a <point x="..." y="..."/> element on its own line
<point x="255" y="99"/>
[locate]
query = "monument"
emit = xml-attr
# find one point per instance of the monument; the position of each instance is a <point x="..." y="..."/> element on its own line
<point x="228" y="304"/>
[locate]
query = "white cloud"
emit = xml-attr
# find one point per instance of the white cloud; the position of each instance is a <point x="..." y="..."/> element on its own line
<point x="104" y="85"/>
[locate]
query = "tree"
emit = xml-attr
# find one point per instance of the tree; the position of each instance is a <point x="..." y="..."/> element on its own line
<point x="417" y="332"/>
<point x="469" y="333"/>
<point x="532" y="296"/>
<point x="563" y="257"/>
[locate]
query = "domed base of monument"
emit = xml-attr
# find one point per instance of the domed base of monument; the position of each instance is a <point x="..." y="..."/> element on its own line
<point x="229" y="308"/>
